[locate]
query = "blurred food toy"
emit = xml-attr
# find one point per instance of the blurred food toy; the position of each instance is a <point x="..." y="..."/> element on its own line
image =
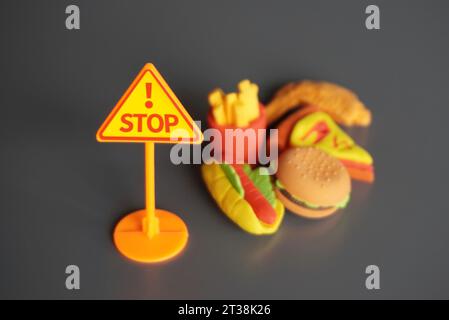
<point x="235" y="109"/>
<point x="340" y="103"/>
<point x="316" y="157"/>
<point x="241" y="110"/>
<point x="245" y="196"/>
<point x="285" y="123"/>
<point x="319" y="130"/>
<point x="311" y="183"/>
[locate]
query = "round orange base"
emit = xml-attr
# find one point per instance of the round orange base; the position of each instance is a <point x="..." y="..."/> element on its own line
<point x="136" y="245"/>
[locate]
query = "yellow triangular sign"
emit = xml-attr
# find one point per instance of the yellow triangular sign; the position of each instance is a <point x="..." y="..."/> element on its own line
<point x="149" y="111"/>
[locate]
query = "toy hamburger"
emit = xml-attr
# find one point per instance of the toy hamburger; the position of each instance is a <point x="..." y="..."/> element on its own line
<point x="311" y="183"/>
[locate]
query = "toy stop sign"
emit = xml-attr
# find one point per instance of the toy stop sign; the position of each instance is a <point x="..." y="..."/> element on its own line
<point x="149" y="111"/>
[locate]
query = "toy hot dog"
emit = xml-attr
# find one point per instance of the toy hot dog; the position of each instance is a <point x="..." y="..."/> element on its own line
<point x="245" y="196"/>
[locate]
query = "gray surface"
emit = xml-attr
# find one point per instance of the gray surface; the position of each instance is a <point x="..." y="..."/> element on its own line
<point x="62" y="192"/>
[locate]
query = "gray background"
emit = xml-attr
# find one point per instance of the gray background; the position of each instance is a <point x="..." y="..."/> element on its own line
<point x="62" y="192"/>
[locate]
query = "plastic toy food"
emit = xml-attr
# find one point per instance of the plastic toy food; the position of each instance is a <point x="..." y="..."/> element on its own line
<point x="311" y="183"/>
<point x="242" y="111"/>
<point x="286" y="122"/>
<point x="245" y="196"/>
<point x="235" y="109"/>
<point x="340" y="103"/>
<point x="319" y="130"/>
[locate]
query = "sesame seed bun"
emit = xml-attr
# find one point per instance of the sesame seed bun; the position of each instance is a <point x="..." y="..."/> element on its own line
<point x="314" y="177"/>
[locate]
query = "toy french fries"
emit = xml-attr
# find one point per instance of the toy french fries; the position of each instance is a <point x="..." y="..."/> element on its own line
<point x="238" y="110"/>
<point x="216" y="98"/>
<point x="230" y="102"/>
<point x="248" y="106"/>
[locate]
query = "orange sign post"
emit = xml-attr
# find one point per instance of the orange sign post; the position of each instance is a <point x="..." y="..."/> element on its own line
<point x="149" y="112"/>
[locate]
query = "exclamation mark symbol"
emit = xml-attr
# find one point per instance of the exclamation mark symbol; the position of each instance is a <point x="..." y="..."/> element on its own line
<point x="148" y="104"/>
